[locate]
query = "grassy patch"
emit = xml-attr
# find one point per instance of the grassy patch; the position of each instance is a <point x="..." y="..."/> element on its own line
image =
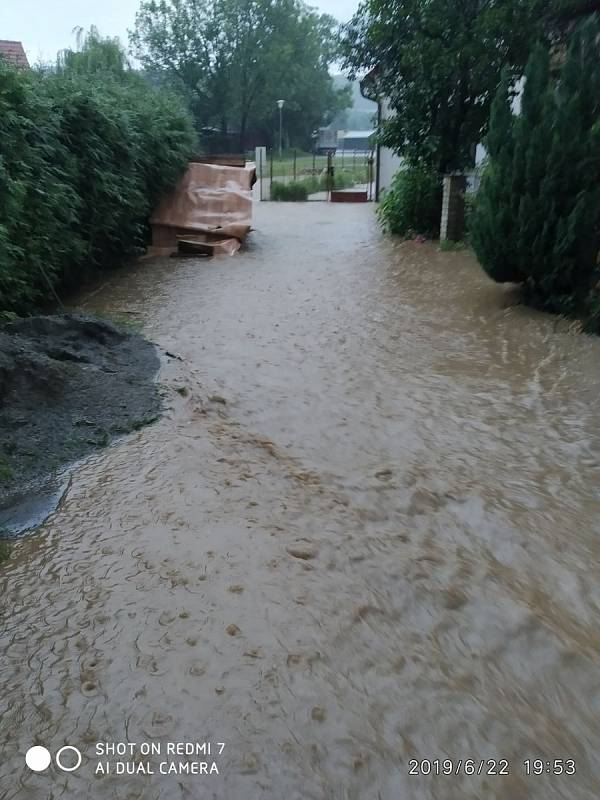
<point x="298" y="191"/>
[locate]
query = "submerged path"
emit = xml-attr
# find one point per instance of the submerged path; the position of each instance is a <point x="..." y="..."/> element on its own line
<point x="366" y="531"/>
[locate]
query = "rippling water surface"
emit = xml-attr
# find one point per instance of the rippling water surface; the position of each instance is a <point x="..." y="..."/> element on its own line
<point x="366" y="530"/>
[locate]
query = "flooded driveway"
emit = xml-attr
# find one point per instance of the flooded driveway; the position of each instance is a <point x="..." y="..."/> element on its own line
<point x="366" y="531"/>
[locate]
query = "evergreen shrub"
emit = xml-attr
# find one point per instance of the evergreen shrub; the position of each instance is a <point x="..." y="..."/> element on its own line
<point x="537" y="216"/>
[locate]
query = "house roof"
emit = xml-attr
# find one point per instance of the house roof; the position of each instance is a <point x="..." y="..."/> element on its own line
<point x="13" y="53"/>
<point x="358" y="134"/>
<point x="368" y="85"/>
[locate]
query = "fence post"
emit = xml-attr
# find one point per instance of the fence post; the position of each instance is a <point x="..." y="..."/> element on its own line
<point x="261" y="173"/>
<point x="271" y="180"/>
<point x="370" y="163"/>
<point x="295" y="153"/>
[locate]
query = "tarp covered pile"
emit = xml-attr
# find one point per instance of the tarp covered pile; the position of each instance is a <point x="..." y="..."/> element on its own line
<point x="212" y="203"/>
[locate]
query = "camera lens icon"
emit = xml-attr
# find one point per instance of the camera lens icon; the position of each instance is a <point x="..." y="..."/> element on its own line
<point x="38" y="758"/>
<point x="68" y="748"/>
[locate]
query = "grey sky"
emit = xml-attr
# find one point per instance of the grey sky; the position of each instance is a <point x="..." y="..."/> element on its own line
<point x="45" y="26"/>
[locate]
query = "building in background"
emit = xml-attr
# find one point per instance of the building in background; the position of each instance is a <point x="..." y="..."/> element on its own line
<point x="356" y="141"/>
<point x="326" y="140"/>
<point x="13" y="53"/>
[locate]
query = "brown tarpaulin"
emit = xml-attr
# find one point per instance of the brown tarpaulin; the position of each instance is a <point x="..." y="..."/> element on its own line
<point x="210" y="199"/>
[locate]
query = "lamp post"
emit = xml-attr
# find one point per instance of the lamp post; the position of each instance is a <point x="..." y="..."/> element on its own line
<point x="314" y="136"/>
<point x="280" y="107"/>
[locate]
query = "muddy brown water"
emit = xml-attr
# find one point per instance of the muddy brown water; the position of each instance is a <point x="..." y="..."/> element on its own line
<point x="383" y="546"/>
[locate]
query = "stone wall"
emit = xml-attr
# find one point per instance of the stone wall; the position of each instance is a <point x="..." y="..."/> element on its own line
<point x="452" y="226"/>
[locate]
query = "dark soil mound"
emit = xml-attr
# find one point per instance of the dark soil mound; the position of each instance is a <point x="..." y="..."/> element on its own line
<point x="68" y="384"/>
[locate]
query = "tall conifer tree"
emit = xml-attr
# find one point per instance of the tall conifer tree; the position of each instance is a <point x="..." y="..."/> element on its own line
<point x="538" y="211"/>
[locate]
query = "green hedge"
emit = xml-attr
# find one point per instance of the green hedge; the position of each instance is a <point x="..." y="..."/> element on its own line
<point x="86" y="150"/>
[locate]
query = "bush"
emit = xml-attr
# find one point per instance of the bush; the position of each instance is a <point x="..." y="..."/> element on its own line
<point x="293" y="191"/>
<point x="537" y="217"/>
<point x="412" y="203"/>
<point x="86" y="150"/>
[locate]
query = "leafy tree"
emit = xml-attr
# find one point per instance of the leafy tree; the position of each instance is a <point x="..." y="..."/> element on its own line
<point x="538" y="210"/>
<point x="235" y="58"/>
<point x="439" y="62"/>
<point x="94" y="54"/>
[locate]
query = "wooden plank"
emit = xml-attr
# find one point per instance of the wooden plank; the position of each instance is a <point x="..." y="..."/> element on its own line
<point x="196" y="247"/>
<point x="226" y="160"/>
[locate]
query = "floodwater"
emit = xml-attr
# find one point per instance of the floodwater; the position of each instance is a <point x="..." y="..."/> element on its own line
<point x="365" y="531"/>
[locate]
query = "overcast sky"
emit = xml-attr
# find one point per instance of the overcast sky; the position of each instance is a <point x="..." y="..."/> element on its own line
<point x="45" y="26"/>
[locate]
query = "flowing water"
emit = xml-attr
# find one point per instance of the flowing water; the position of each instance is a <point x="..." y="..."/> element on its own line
<point x="365" y="531"/>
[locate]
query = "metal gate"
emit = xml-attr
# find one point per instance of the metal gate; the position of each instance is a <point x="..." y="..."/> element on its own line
<point x="295" y="175"/>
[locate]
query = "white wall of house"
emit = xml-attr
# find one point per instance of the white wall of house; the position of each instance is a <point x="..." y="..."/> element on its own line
<point x="480" y="152"/>
<point x="389" y="162"/>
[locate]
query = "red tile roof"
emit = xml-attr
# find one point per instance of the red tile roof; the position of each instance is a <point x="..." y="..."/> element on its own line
<point x="13" y="53"/>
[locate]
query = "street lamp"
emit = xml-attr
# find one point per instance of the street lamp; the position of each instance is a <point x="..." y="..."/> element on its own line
<point x="280" y="107"/>
<point x="314" y="136"/>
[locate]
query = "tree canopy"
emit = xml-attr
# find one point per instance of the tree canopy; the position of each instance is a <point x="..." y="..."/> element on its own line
<point x="236" y="58"/>
<point x="439" y="62"/>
